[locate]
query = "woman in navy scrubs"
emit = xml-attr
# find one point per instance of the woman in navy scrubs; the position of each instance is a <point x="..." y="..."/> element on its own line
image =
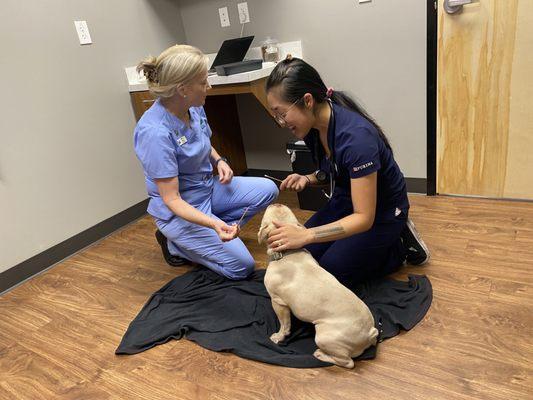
<point x="196" y="215"/>
<point x="363" y="231"/>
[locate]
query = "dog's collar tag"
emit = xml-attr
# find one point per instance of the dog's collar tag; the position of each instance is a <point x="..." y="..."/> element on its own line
<point x="275" y="256"/>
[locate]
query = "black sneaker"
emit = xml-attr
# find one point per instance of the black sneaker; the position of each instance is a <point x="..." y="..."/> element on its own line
<point x="416" y="249"/>
<point x="174" y="261"/>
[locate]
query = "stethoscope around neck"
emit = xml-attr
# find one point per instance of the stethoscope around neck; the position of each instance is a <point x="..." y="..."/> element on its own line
<point x="333" y="169"/>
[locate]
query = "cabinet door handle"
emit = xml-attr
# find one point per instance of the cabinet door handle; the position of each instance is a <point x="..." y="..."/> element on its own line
<point x="149" y="101"/>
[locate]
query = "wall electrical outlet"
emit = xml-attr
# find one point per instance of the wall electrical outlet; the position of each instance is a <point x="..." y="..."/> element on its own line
<point x="83" y="32"/>
<point x="244" y="16"/>
<point x="224" y="17"/>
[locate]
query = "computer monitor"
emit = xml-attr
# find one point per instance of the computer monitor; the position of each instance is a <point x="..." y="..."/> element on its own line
<point x="231" y="51"/>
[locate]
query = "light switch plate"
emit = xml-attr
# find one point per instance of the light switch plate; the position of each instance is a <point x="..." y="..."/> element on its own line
<point x="83" y="32"/>
<point x="224" y="17"/>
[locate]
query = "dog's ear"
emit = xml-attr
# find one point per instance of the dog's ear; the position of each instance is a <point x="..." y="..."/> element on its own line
<point x="262" y="234"/>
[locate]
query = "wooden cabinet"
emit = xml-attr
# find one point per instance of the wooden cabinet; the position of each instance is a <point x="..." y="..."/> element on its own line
<point x="223" y="118"/>
<point x="141" y="101"/>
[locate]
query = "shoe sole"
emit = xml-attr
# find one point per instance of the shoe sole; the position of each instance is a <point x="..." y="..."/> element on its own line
<point x="415" y="233"/>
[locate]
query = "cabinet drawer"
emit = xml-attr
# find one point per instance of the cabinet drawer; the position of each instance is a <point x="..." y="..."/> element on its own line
<point x="141" y="101"/>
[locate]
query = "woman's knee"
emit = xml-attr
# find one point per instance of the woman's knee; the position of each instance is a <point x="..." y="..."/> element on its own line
<point x="273" y="190"/>
<point x="239" y="267"/>
<point x="269" y="191"/>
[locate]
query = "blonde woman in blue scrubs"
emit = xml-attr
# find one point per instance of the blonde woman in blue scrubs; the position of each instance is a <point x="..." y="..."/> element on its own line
<point x="196" y="213"/>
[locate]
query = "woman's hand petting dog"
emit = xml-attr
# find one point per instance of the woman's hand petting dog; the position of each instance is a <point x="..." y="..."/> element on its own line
<point x="288" y="236"/>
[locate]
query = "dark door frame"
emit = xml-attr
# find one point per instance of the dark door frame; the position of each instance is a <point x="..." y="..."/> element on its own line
<point x="431" y="100"/>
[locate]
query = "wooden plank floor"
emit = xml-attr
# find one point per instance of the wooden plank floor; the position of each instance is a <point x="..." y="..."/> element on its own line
<point x="58" y="331"/>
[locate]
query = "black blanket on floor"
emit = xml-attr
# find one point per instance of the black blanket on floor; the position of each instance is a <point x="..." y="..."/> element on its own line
<point x="237" y="316"/>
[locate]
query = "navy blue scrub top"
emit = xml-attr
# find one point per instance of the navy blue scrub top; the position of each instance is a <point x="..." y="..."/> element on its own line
<point x="360" y="151"/>
<point x="168" y="148"/>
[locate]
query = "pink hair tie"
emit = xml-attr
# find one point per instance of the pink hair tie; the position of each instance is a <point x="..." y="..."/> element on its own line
<point x="329" y="92"/>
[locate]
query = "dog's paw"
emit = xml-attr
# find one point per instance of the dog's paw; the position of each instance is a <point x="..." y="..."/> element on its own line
<point x="341" y="362"/>
<point x="322" y="356"/>
<point x="277" y="337"/>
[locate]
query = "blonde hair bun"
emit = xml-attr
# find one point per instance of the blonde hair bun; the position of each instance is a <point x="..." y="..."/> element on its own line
<point x="175" y="66"/>
<point x="149" y="69"/>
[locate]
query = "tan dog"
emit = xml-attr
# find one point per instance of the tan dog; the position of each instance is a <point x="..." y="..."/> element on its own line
<point x="343" y="323"/>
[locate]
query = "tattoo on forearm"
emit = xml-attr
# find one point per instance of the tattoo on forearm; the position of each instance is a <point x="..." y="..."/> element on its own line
<point x="327" y="232"/>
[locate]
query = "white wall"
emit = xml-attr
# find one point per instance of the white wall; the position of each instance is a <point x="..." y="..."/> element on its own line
<point x="66" y="157"/>
<point x="376" y="51"/>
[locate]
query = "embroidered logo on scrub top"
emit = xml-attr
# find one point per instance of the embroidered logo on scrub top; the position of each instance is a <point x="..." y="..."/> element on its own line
<point x="182" y="140"/>
<point x="359" y="168"/>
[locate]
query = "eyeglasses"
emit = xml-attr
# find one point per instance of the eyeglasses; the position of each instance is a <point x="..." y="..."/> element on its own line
<point x="280" y="118"/>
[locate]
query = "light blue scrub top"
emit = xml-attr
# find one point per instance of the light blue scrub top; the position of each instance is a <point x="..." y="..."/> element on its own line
<point x="168" y="148"/>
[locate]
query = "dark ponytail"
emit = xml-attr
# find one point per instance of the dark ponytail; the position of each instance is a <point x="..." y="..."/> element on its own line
<point x="296" y="78"/>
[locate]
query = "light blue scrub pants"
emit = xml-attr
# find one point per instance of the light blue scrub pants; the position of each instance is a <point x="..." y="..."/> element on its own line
<point x="226" y="202"/>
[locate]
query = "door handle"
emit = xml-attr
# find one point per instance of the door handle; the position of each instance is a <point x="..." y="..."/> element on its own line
<point x="455" y="6"/>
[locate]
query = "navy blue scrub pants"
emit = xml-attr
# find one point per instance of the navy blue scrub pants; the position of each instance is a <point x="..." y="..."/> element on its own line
<point x="368" y="255"/>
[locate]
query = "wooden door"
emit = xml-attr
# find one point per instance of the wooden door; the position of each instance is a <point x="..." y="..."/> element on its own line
<point x="485" y="100"/>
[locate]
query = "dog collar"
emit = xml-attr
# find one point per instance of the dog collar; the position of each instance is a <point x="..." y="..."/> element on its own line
<point x="276" y="256"/>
